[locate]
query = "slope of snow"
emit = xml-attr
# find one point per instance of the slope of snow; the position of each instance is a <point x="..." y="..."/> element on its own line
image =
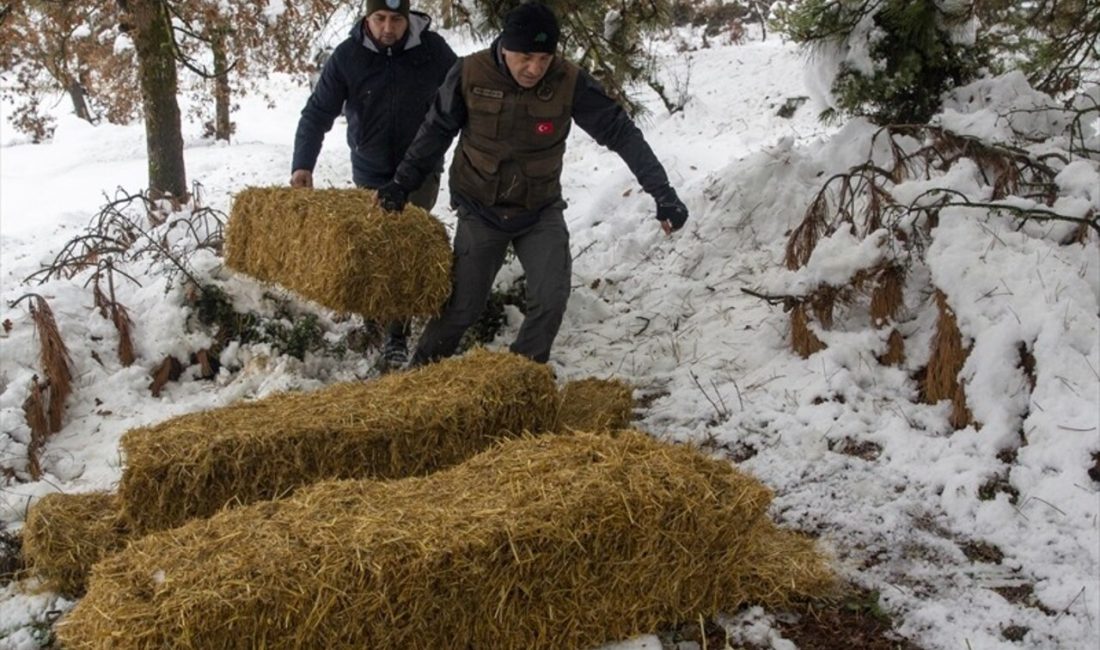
<point x="712" y="363"/>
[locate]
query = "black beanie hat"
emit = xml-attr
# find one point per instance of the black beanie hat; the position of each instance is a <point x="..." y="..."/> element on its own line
<point x="530" y="27"/>
<point x="399" y="6"/>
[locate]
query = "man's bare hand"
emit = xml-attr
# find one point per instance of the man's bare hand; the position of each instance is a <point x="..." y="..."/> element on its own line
<point x="301" y="178"/>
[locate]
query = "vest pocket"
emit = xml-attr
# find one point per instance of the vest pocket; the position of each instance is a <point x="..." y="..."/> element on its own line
<point x="543" y="179"/>
<point x="483" y="115"/>
<point x="478" y="174"/>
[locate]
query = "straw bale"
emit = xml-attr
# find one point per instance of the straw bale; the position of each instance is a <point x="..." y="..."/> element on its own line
<point x="596" y="405"/>
<point x="399" y="425"/>
<point x="65" y="534"/>
<point x="555" y="542"/>
<point x="338" y="248"/>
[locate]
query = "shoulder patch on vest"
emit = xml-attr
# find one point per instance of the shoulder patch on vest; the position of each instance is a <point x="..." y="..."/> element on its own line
<point x="487" y="92"/>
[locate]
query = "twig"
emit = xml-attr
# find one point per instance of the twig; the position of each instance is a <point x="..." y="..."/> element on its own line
<point x="771" y="300"/>
<point x="720" y="411"/>
<point x="740" y="401"/>
<point x="1066" y="610"/>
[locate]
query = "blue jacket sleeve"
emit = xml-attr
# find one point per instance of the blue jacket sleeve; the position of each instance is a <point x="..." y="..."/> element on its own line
<point x="321" y="110"/>
<point x="445" y="119"/>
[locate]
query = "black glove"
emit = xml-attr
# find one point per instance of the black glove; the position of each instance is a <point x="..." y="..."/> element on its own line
<point x="392" y="197"/>
<point x="671" y="209"/>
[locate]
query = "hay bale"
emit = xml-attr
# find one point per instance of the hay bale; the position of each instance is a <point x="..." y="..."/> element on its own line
<point x="549" y="542"/>
<point x="338" y="248"/>
<point x="65" y="534"/>
<point x="399" y="425"/>
<point x="596" y="405"/>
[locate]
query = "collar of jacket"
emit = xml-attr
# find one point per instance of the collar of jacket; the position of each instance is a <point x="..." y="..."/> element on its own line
<point x="418" y="24"/>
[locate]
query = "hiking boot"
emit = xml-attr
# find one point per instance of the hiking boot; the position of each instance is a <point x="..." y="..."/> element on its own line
<point x="394" y="356"/>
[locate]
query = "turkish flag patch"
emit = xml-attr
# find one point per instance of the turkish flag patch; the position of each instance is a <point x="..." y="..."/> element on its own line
<point x="544" y="128"/>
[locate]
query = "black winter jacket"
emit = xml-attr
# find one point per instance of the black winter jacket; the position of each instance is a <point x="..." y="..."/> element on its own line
<point x="383" y="93"/>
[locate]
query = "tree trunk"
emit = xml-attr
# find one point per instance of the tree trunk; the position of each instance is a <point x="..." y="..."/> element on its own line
<point x="152" y="34"/>
<point x="79" y="99"/>
<point x="222" y="125"/>
<point x="447" y="10"/>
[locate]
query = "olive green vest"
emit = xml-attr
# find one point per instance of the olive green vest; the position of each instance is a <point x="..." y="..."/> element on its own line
<point x="509" y="156"/>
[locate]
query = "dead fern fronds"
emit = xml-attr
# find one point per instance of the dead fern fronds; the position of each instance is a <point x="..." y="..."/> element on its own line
<point x="100" y="300"/>
<point x="961" y="417"/>
<point x="121" y="318"/>
<point x="169" y="370"/>
<point x="134" y="227"/>
<point x="1008" y="169"/>
<point x="887" y="297"/>
<point x="207" y="363"/>
<point x="803" y="340"/>
<point x="895" y="350"/>
<point x="823" y="301"/>
<point x="34" y="410"/>
<point x="109" y="307"/>
<point x="53" y="356"/>
<point x="857" y="199"/>
<point x="805" y="236"/>
<point x="941" y="379"/>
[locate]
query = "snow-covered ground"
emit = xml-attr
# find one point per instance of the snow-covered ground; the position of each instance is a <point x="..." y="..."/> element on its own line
<point x="712" y="363"/>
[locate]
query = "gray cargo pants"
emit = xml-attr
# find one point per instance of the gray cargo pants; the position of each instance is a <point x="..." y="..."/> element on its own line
<point x="542" y="249"/>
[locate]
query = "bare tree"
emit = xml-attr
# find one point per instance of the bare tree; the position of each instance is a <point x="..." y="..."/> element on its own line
<point x="66" y="46"/>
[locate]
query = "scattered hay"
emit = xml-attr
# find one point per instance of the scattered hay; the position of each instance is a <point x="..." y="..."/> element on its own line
<point x="65" y="534"/>
<point x="596" y="405"/>
<point x="941" y="379"/>
<point x="550" y="542"/>
<point x="402" y="424"/>
<point x="803" y="339"/>
<point x="338" y="248"/>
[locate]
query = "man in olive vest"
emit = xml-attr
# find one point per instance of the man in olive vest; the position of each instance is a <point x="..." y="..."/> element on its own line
<point x="513" y="105"/>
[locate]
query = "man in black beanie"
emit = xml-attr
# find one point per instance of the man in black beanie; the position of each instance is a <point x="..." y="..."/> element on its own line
<point x="514" y="104"/>
<point x="383" y="78"/>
